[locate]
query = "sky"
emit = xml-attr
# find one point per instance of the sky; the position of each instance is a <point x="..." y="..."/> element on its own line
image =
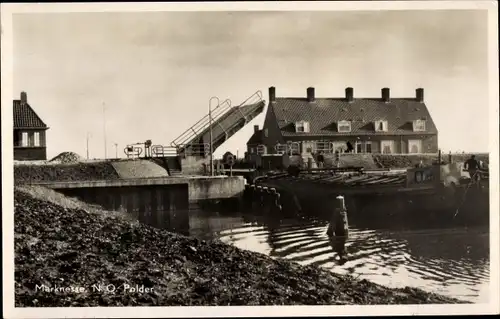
<point x="154" y="72"/>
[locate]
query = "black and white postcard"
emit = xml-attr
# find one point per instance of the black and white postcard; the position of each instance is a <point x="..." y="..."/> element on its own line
<point x="321" y="158"/>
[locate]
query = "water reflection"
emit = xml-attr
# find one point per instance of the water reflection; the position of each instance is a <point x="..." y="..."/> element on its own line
<point x="453" y="262"/>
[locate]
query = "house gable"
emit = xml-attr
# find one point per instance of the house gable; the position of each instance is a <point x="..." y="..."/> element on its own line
<point x="271" y="132"/>
<point x="256" y="138"/>
<point x="25" y="117"/>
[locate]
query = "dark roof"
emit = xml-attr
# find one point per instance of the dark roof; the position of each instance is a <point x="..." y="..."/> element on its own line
<point x="26" y="117"/>
<point x="324" y="113"/>
<point x="256" y="138"/>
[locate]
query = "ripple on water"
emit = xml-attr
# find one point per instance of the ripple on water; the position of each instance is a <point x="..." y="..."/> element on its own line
<point x="451" y="262"/>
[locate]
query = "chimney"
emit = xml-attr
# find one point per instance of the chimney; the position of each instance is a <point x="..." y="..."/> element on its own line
<point x="349" y="94"/>
<point x="420" y="95"/>
<point x="272" y="94"/>
<point x="24" y="98"/>
<point x="255" y="128"/>
<point x="310" y="94"/>
<point x="386" y="95"/>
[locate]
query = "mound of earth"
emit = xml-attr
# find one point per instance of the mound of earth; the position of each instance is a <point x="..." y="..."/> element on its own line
<point x="57" y="247"/>
<point x="67" y="157"/>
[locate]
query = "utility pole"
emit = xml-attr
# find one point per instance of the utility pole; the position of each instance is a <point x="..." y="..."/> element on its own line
<point x="88" y="136"/>
<point x="116" y="150"/>
<point x="211" y="137"/>
<point x="104" y="129"/>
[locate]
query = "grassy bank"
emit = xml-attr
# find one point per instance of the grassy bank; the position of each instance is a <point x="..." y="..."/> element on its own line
<point x="80" y="171"/>
<point x="66" y="243"/>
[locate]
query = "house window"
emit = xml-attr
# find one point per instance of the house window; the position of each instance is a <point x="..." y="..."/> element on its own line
<point x="36" y="138"/>
<point x="302" y="126"/>
<point x="381" y="126"/>
<point x="266" y="132"/>
<point x="338" y="147"/>
<point x="24" y="139"/>
<point x="419" y="125"/>
<point x="344" y="126"/>
<point x="16" y="138"/>
<point x="368" y="147"/>
<point x="359" y="148"/>
<point x="261" y="149"/>
<point x="323" y="146"/>
<point x="251" y="150"/>
<point x="415" y="146"/>
<point x="387" y="147"/>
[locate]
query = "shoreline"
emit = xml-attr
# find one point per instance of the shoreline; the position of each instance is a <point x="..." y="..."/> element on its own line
<point x="63" y="242"/>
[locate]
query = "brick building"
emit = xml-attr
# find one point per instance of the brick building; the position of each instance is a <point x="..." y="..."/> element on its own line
<point x="29" y="132"/>
<point x="307" y="125"/>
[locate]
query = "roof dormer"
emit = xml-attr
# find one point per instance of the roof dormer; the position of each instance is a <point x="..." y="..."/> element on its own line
<point x="419" y="125"/>
<point x="302" y="127"/>
<point x="344" y="126"/>
<point x="381" y="126"/>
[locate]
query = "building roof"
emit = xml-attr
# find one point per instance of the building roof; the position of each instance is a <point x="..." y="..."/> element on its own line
<point x="324" y="113"/>
<point x="26" y="117"/>
<point x="256" y="138"/>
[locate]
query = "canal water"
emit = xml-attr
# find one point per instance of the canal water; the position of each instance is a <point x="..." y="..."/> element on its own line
<point x="452" y="262"/>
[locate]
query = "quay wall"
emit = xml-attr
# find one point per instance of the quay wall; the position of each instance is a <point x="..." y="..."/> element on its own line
<point x="162" y="202"/>
<point x="200" y="187"/>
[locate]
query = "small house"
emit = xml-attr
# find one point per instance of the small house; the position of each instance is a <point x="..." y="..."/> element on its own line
<point x="30" y="141"/>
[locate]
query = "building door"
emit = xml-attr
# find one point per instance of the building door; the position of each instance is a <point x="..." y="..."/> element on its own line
<point x="308" y="147"/>
<point x="359" y="147"/>
<point x="368" y="147"/>
<point x="387" y="147"/>
<point x="293" y="148"/>
<point x="415" y="146"/>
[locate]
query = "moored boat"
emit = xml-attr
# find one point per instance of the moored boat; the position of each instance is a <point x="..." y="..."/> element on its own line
<point x="432" y="195"/>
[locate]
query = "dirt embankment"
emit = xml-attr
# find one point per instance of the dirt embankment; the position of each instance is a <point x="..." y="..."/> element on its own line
<point x="73" y="246"/>
<point x="406" y="161"/>
<point x="27" y="173"/>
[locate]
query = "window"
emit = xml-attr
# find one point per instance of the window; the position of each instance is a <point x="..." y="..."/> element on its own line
<point x="24" y="139"/>
<point x="261" y="149"/>
<point x="344" y="126"/>
<point x="302" y="126"/>
<point x="419" y="125"/>
<point x="251" y="150"/>
<point x="16" y="138"/>
<point x="266" y="132"/>
<point x="338" y="147"/>
<point x="381" y="126"/>
<point x="36" y="138"/>
<point x="368" y="147"/>
<point x="359" y="148"/>
<point x="415" y="146"/>
<point x="323" y="146"/>
<point x="387" y="147"/>
<point x="293" y="148"/>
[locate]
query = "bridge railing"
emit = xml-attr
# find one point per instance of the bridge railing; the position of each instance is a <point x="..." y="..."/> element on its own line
<point x="163" y="151"/>
<point x="202" y="124"/>
<point x="138" y="149"/>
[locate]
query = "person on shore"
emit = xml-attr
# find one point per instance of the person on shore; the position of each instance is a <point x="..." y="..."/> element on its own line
<point x="472" y="166"/>
<point x="320" y="159"/>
